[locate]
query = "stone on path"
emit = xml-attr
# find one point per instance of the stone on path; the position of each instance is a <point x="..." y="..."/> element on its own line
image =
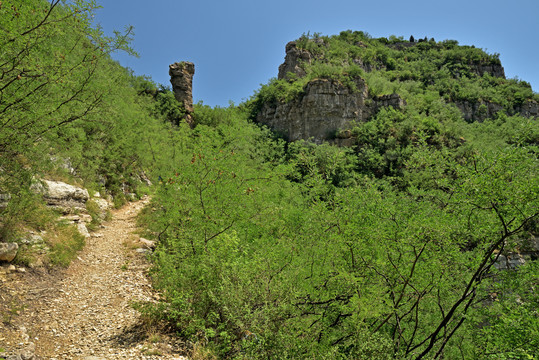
<point x="8" y="251"/>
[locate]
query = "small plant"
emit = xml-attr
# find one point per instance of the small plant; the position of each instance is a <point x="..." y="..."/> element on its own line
<point x="65" y="244"/>
<point x="25" y="256"/>
<point x="125" y="266"/>
<point x="151" y="352"/>
<point x="15" y="308"/>
<point x="201" y="352"/>
<point x="119" y="201"/>
<point x="154" y="338"/>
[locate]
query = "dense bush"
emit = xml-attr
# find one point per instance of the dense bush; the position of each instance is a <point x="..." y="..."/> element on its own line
<point x="293" y="251"/>
<point x="384" y="250"/>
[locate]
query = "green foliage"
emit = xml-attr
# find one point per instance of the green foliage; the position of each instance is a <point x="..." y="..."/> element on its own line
<point x="304" y="259"/>
<point x="457" y="73"/>
<point x="65" y="243"/>
<point x="513" y="322"/>
<point x="298" y="251"/>
<point x="285" y="251"/>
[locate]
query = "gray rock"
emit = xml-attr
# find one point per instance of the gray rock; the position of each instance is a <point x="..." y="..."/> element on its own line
<point x="62" y="196"/>
<point x="147" y="243"/>
<point x="8" y="251"/>
<point x="511" y="261"/>
<point x="324" y="110"/>
<point x="478" y="111"/>
<point x="493" y="69"/>
<point x="31" y="239"/>
<point x="181" y="78"/>
<point x="294" y="60"/>
<point x="530" y="109"/>
<point x="83" y="230"/>
<point x="62" y="191"/>
<point x="102" y="203"/>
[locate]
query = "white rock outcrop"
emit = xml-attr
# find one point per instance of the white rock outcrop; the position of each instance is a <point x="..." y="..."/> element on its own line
<point x="62" y="196"/>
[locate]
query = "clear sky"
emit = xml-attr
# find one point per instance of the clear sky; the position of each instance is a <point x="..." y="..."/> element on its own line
<point x="237" y="45"/>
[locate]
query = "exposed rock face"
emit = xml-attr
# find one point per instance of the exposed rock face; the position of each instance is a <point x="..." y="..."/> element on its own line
<point x="62" y="196"/>
<point x="8" y="251"/>
<point x="529" y="109"/>
<point x="495" y="70"/>
<point x="325" y="110"/>
<point x="478" y="111"/>
<point x="293" y="61"/>
<point x="481" y="110"/>
<point x="529" y="251"/>
<point x="181" y="78"/>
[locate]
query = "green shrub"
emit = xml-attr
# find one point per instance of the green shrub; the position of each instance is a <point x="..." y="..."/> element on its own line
<point x="64" y="242"/>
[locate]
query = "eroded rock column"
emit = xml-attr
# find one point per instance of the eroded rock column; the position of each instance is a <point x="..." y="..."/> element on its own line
<point x="181" y="78"/>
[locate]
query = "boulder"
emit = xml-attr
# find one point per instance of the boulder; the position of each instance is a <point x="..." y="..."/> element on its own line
<point x="83" y="230"/>
<point x="148" y="243"/>
<point x="511" y="261"/>
<point x="8" y="251"/>
<point x="62" y="196"/>
<point x="57" y="190"/>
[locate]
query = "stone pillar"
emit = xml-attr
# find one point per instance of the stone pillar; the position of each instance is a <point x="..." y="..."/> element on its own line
<point x="181" y="78"/>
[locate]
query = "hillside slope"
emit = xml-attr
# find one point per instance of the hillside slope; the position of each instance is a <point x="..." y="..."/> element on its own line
<point x="403" y="243"/>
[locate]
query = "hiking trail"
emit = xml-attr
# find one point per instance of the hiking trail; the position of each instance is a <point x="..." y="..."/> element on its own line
<point x="85" y="311"/>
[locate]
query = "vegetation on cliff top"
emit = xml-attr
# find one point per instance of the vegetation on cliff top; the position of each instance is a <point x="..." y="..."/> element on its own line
<point x="278" y="250"/>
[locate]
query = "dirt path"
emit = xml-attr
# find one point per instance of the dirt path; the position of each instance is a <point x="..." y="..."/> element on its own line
<point x="86" y="312"/>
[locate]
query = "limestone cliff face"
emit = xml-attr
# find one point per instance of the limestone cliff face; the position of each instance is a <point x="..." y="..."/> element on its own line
<point x="529" y="109"/>
<point x="477" y="110"/>
<point x="495" y="70"/>
<point x="296" y="58"/>
<point x="325" y="111"/>
<point x="293" y="61"/>
<point x="181" y="78"/>
<point x="481" y="110"/>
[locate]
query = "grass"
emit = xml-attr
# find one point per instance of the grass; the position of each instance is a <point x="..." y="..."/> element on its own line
<point x="65" y="242"/>
<point x="125" y="266"/>
<point x="151" y="352"/>
<point x="15" y="308"/>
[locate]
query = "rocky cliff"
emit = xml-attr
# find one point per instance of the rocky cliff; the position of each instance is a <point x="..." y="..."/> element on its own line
<point x="181" y="78"/>
<point x="294" y="62"/>
<point x="481" y="110"/>
<point x="325" y="110"/>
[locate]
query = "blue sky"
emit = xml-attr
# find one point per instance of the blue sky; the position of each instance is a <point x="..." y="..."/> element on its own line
<point x="237" y="45"/>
